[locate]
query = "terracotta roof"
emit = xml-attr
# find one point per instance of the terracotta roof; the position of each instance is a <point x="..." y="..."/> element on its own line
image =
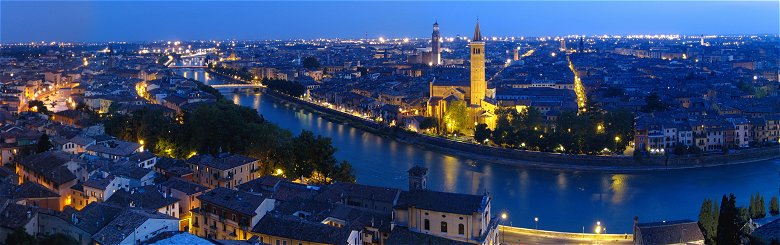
<point x="299" y="229"/>
<point x="442" y="201"/>
<point x="670" y="232"/>
<point x="239" y="201"/>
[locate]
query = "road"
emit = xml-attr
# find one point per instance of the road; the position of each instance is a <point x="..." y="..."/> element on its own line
<point x="515" y="236"/>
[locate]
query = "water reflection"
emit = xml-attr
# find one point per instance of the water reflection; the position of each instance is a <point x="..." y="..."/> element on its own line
<point x="618" y="188"/>
<point x="564" y="200"/>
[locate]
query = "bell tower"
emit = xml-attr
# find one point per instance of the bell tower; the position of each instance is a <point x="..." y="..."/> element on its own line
<point x="478" y="84"/>
<point x="436" y="45"/>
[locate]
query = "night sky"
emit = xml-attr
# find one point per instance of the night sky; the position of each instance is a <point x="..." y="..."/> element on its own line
<point x="188" y="20"/>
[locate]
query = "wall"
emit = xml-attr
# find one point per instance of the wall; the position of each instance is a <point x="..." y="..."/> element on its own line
<point x="542" y="159"/>
<point x="150" y="228"/>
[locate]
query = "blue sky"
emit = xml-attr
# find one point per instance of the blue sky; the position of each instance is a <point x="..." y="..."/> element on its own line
<point x="23" y="21"/>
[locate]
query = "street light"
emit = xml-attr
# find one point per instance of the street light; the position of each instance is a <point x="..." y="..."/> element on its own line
<point x="599" y="228"/>
<point x="503" y="217"/>
<point x="536" y="223"/>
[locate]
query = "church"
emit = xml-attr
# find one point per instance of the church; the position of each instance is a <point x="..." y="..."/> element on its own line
<point x="480" y="105"/>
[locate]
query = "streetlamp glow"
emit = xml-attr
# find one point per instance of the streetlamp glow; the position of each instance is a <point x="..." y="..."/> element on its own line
<point x="503" y="216"/>
<point x="536" y="223"/>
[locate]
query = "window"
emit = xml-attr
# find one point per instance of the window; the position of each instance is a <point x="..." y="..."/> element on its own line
<point x="461" y="229"/>
<point x="427" y="225"/>
<point x="443" y="226"/>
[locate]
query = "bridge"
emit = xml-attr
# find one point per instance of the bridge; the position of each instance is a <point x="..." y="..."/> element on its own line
<point x="196" y="60"/>
<point x="237" y="86"/>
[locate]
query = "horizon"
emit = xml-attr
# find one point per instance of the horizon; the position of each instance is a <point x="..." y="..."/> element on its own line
<point x="101" y="21"/>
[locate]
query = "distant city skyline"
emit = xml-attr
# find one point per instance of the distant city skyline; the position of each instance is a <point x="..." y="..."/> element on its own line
<point x="195" y="20"/>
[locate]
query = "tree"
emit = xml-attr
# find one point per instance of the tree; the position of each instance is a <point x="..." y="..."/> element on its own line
<point x="344" y="173"/>
<point x="60" y="239"/>
<point x="43" y="143"/>
<point x="428" y="123"/>
<point x="20" y="237"/>
<point x="752" y="206"/>
<point x="708" y="224"/>
<point x="761" y="207"/>
<point x="774" y="206"/>
<point x="757" y="208"/>
<point x="653" y="103"/>
<point x="728" y="223"/>
<point x="456" y="116"/>
<point x="481" y="133"/>
<point x="311" y="62"/>
<point x="38" y="106"/>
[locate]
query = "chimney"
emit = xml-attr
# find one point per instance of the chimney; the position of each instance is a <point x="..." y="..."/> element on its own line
<point x="418" y="178"/>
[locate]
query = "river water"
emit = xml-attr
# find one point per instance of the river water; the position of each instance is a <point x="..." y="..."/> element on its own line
<point x="563" y="200"/>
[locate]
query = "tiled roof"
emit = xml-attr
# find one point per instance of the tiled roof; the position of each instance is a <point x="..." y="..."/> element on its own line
<point x="337" y="191"/>
<point x="442" y="201"/>
<point x="221" y="162"/>
<point x="100" y="184"/>
<point x="147" y="197"/>
<point x="239" y="201"/>
<point x="131" y="171"/>
<point x="670" y="232"/>
<point x="183" y="186"/>
<point x="16" y="216"/>
<point x="125" y="224"/>
<point x="403" y="236"/>
<point x="298" y="229"/>
<point x="33" y="190"/>
<point x="768" y="232"/>
<point x="95" y="216"/>
<point x="51" y="165"/>
<point x="286" y="191"/>
<point x="121" y="148"/>
<point x="266" y="182"/>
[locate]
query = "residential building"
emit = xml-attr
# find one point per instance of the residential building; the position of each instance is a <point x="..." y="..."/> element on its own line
<point x="223" y="170"/>
<point x="228" y="214"/>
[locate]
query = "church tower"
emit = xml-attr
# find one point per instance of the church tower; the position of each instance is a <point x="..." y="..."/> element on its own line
<point x="436" y="45"/>
<point x="478" y="84"/>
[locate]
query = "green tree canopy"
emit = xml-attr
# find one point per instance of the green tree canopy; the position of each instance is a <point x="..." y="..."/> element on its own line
<point x="482" y="133"/>
<point x="38" y="106"/>
<point x="311" y="62"/>
<point x="44" y="144"/>
<point x="456" y="117"/>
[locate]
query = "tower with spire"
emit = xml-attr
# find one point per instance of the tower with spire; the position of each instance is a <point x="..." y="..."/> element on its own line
<point x="478" y="83"/>
<point x="436" y="45"/>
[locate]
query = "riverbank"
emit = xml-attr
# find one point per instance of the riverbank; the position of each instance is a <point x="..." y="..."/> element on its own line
<point x="534" y="159"/>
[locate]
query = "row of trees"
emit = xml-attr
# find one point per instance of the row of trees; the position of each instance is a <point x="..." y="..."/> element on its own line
<point x="291" y="88"/>
<point x="243" y="73"/>
<point x="225" y="127"/>
<point x="724" y="225"/>
<point x="756" y="207"/>
<point x="581" y="133"/>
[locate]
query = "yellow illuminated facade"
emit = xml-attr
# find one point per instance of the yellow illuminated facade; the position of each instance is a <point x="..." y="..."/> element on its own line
<point x="474" y="93"/>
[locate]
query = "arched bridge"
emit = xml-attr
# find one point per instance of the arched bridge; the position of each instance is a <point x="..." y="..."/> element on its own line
<point x="237" y="85"/>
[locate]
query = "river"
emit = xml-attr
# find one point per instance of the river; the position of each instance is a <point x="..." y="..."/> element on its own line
<point x="563" y="200"/>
